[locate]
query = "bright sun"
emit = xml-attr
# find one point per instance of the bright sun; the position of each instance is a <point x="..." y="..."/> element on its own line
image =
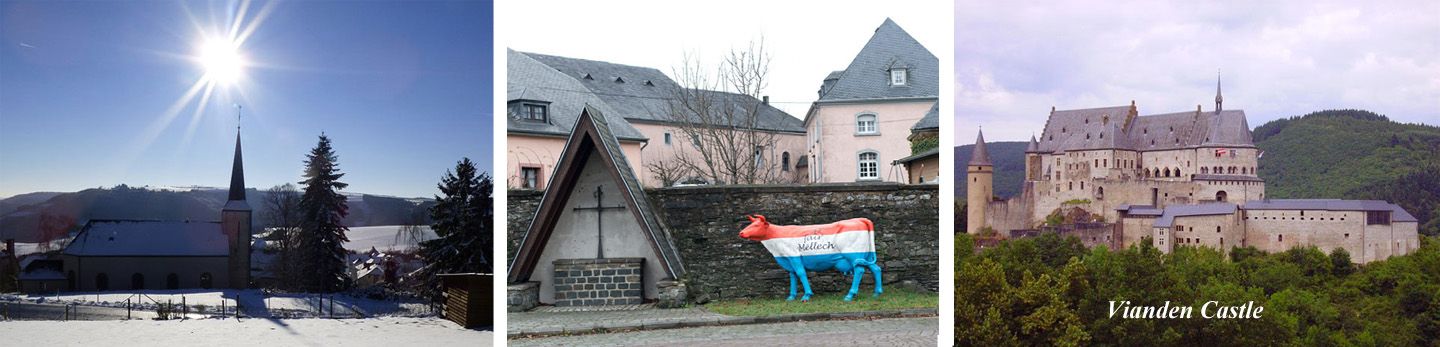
<point x="221" y="60"/>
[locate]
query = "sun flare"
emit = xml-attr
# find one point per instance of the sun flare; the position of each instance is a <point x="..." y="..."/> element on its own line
<point x="221" y="60"/>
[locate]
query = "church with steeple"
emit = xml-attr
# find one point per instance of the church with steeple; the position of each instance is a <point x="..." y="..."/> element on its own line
<point x="1114" y="177"/>
<point x="127" y="254"/>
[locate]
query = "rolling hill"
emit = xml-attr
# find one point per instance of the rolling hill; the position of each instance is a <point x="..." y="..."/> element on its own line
<point x="27" y="212"/>
<point x="1009" y="160"/>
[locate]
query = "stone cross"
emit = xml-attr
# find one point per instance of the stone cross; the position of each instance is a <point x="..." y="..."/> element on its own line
<point x="599" y="208"/>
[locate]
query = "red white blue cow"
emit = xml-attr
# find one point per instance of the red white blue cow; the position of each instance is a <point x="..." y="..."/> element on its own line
<point x="847" y="246"/>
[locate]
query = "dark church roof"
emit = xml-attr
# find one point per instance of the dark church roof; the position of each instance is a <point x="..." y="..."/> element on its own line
<point x="868" y="75"/>
<point x="237" y="174"/>
<point x="1167" y="219"/>
<point x="1120" y="127"/>
<point x="592" y="134"/>
<point x="149" y="238"/>
<point x="643" y="94"/>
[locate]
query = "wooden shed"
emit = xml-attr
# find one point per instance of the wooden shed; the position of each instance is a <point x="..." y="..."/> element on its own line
<point x="469" y="299"/>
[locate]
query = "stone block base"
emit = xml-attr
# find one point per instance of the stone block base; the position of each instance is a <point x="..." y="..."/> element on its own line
<point x="672" y="294"/>
<point x="596" y="282"/>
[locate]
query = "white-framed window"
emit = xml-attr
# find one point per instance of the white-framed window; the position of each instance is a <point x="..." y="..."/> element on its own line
<point x="866" y="124"/>
<point x="898" y="77"/>
<point x="868" y="165"/>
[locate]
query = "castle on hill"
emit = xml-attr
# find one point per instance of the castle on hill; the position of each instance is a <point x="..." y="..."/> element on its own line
<point x="1184" y="178"/>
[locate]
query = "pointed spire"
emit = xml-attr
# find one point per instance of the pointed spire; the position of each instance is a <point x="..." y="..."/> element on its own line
<point x="1218" y="99"/>
<point x="237" y="172"/>
<point x="980" y="156"/>
<point x="1034" y="146"/>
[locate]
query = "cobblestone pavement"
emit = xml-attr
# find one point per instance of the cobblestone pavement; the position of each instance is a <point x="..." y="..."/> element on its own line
<point x="544" y="322"/>
<point x="878" y="332"/>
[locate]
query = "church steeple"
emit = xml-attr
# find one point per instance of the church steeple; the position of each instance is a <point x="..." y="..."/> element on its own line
<point x="237" y="172"/>
<point x="1218" y="99"/>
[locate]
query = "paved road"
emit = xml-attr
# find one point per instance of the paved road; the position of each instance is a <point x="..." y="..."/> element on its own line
<point x="880" y="332"/>
<point x="28" y="311"/>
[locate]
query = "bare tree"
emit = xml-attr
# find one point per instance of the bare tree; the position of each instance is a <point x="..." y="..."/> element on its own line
<point x="282" y="213"/>
<point x="719" y="113"/>
<point x="413" y="232"/>
<point x="669" y="171"/>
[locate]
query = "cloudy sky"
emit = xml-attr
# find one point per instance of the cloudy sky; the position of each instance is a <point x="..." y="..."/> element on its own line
<point x="807" y="40"/>
<point x="1014" y="61"/>
<point x="96" y="94"/>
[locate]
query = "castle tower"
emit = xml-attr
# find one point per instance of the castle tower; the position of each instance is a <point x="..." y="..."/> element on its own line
<point x="235" y="222"/>
<point x="1032" y="160"/>
<point x="979" y="174"/>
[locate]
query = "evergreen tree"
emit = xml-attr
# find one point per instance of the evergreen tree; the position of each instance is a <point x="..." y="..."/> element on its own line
<point x="322" y="236"/>
<point x="463" y="223"/>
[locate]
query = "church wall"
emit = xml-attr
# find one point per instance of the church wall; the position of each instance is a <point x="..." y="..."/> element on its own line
<point x="705" y="224"/>
<point x="575" y="235"/>
<point x="154" y="269"/>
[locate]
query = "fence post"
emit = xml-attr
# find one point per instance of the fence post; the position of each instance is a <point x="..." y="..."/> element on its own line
<point x="127" y="308"/>
<point x="332" y="305"/>
<point x="184" y="308"/>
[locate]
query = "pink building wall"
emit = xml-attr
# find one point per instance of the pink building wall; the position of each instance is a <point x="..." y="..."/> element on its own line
<point x="794" y="143"/>
<point x="544" y="152"/>
<point x="835" y="145"/>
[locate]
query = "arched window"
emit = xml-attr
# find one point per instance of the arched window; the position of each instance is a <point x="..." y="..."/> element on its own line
<point x="1220" y="196"/>
<point x="1167" y="172"/>
<point x="1177" y="172"/>
<point x="172" y="281"/>
<point x="1204" y="170"/>
<point x="785" y="161"/>
<point x="868" y="165"/>
<point x="866" y="124"/>
<point x="102" y="282"/>
<point x="207" y="281"/>
<point x="1100" y="193"/>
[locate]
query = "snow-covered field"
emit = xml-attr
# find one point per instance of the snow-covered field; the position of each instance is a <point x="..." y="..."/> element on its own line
<point x="385" y="331"/>
<point x="380" y="237"/>
<point x="255" y="302"/>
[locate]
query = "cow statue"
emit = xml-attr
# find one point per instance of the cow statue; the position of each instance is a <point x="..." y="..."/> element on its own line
<point x="845" y="246"/>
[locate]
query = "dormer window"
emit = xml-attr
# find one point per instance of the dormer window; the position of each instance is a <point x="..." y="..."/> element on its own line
<point x="538" y="113"/>
<point x="619" y="80"/>
<point x="899" y="77"/>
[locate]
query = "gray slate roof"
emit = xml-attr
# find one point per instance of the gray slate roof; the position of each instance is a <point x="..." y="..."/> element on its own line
<point x="931" y="121"/>
<point x="1167" y="219"/>
<point x="638" y="93"/>
<point x="1118" y="128"/>
<point x="978" y="154"/>
<point x="149" y="238"/>
<point x="868" y="76"/>
<point x="917" y="156"/>
<point x="1214" y="177"/>
<point x="529" y="79"/>
<point x="1141" y="210"/>
<point x="1398" y="215"/>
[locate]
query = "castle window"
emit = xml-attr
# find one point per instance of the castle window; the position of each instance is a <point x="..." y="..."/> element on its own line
<point x="1217" y="229"/>
<point x="1282" y="237"/>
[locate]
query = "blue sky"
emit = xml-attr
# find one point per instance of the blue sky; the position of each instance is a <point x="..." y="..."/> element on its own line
<point x="1014" y="60"/>
<point x="402" y="89"/>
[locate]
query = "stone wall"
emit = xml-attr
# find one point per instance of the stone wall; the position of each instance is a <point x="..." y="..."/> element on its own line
<point x="597" y="282"/>
<point x="705" y="223"/>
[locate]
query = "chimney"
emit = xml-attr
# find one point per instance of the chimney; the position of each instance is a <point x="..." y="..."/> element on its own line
<point x="765" y="99"/>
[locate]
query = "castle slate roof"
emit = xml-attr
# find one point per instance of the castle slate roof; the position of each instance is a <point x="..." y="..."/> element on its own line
<point x="868" y="75"/>
<point x="978" y="154"/>
<point x="1398" y="214"/>
<point x="118" y="238"/>
<point x="529" y="79"/>
<point x="1167" y="219"/>
<point x="644" y="94"/>
<point x="1120" y="127"/>
<point x="931" y="120"/>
